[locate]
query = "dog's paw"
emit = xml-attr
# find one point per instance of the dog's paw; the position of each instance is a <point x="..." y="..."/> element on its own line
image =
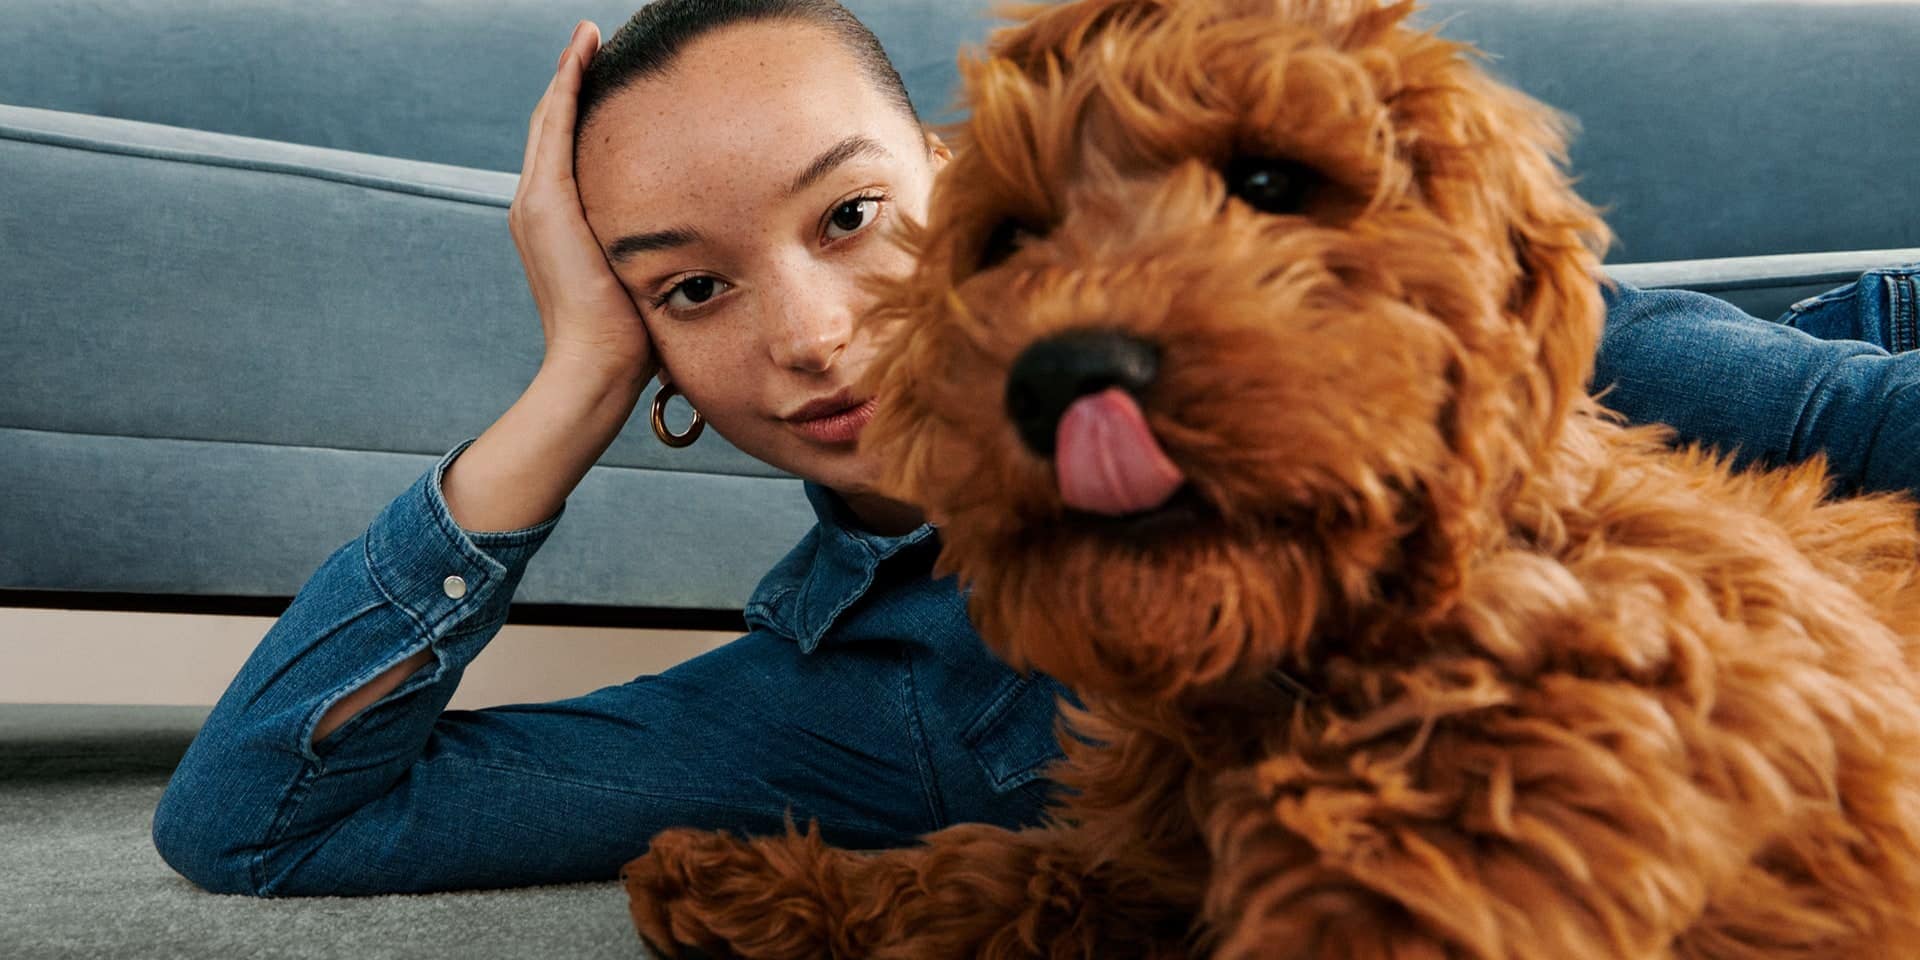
<point x="702" y="894"/>
<point x="657" y="894"/>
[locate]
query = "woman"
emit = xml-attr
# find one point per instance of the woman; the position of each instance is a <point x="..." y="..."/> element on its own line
<point x="696" y="201"/>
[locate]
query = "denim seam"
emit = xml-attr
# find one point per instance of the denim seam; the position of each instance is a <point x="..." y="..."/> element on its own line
<point x="1900" y="312"/>
<point x="991" y="717"/>
<point x="1038" y="771"/>
<point x="916" y="731"/>
<point x="512" y="538"/>
<point x="482" y="539"/>
<point x="316" y="843"/>
<point x="373" y="574"/>
<point x="722" y="804"/>
<point x="815" y="631"/>
<point x="290" y="803"/>
<point x="415" y="682"/>
<point x="477" y="593"/>
<point x="305" y="731"/>
<point x="338" y="625"/>
<point x="1797" y="433"/>
<point x="993" y="711"/>
<point x="1888" y="405"/>
<point x="1822" y="299"/>
<point x="772" y="609"/>
<point x="443" y="518"/>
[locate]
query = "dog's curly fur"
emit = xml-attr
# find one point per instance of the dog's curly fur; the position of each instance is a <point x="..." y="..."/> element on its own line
<point x="1569" y="693"/>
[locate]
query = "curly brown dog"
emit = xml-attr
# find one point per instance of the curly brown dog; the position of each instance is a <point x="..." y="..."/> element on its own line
<point x="1245" y="371"/>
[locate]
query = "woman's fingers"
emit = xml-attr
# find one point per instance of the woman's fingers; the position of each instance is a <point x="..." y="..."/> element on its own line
<point x="545" y="131"/>
<point x="534" y="128"/>
<point x="585" y="311"/>
<point x="557" y="139"/>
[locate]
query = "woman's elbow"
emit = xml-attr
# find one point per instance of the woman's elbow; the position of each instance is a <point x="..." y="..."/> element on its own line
<point x="187" y="835"/>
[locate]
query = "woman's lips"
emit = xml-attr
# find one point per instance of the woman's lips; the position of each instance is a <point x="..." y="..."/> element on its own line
<point x="841" y="427"/>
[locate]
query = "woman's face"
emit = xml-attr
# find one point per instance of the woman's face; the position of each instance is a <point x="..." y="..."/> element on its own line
<point x="764" y="172"/>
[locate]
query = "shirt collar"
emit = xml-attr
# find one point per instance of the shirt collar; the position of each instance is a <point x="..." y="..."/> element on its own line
<point x="826" y="572"/>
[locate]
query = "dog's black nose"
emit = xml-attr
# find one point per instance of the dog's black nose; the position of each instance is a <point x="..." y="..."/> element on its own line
<point x="1050" y="374"/>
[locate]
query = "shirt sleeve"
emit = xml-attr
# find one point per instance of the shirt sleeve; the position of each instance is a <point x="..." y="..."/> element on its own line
<point x="1765" y="392"/>
<point x="440" y="573"/>
<point x="413" y="581"/>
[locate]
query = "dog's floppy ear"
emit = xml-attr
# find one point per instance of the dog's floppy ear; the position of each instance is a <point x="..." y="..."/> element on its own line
<point x="1558" y="240"/>
<point x="1491" y="159"/>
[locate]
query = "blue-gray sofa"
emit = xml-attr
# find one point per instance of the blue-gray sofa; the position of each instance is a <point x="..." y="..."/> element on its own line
<point x="255" y="273"/>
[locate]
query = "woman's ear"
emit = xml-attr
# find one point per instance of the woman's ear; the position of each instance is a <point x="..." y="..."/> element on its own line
<point x="939" y="150"/>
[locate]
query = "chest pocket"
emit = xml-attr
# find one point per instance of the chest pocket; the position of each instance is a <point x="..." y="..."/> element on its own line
<point x="1012" y="738"/>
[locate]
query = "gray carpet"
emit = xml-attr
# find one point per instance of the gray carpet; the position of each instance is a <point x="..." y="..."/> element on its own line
<point x="79" y="876"/>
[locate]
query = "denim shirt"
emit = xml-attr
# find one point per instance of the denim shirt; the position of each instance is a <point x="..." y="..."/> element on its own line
<point x="842" y="587"/>
<point x="861" y="696"/>
<point x="831" y="568"/>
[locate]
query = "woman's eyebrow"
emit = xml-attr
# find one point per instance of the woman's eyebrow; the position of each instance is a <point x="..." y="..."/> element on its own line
<point x="633" y="244"/>
<point x="857" y="145"/>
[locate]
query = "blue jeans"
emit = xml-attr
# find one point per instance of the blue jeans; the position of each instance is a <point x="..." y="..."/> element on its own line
<point x="1881" y="308"/>
<point x="1836" y="374"/>
<point x="861" y="699"/>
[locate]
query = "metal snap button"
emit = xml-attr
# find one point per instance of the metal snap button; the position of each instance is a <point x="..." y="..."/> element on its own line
<point x="454" y="586"/>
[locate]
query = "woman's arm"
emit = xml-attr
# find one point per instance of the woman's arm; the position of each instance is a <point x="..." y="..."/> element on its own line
<point x="517" y="474"/>
<point x="1767" y="392"/>
<point x="413" y="588"/>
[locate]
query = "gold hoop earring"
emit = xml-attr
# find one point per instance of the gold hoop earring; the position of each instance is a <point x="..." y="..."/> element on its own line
<point x="668" y="437"/>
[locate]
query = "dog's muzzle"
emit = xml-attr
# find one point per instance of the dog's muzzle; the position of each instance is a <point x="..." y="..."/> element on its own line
<point x="1075" y="398"/>
<point x="1052" y="373"/>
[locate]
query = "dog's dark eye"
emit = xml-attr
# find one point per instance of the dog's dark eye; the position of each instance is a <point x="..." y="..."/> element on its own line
<point x="1270" y="184"/>
<point x="1005" y="237"/>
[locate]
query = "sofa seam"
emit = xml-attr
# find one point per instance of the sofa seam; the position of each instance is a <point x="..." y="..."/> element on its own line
<point x="398" y="453"/>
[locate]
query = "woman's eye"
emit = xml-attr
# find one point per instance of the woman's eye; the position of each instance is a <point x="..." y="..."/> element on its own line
<point x="1270" y="184"/>
<point x="690" y="293"/>
<point x="852" y="215"/>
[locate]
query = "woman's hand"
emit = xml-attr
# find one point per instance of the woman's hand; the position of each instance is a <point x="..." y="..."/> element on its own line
<point x="588" y="317"/>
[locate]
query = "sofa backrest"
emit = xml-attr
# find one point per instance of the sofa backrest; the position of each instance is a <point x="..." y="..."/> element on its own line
<point x="1712" y="128"/>
<point x="447" y="82"/>
<point x="1724" y="128"/>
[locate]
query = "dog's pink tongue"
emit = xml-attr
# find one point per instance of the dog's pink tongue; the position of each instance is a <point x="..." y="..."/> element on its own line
<point x="1107" y="460"/>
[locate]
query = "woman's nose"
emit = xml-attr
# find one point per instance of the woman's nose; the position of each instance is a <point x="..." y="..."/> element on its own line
<point x="812" y="328"/>
<point x="812" y="349"/>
